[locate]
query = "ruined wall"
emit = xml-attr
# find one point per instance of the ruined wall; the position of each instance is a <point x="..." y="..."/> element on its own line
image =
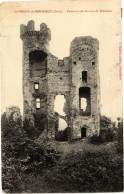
<point x="58" y="84"/>
<point x="60" y="77"/>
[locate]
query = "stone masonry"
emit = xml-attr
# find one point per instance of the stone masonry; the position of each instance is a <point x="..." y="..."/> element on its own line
<point x="76" y="77"/>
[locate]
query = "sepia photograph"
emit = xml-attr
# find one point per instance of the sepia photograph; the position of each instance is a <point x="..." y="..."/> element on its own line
<point x="61" y="88"/>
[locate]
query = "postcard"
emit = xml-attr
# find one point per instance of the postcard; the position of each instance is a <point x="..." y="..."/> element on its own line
<point x="62" y="125"/>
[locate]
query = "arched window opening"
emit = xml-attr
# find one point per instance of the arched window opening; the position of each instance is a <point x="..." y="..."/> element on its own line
<point x="85" y="101"/>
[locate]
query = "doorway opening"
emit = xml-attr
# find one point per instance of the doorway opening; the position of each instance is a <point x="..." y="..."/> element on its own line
<point x="83" y="132"/>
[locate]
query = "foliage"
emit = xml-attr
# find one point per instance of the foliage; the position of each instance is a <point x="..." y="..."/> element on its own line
<point x="63" y="135"/>
<point x="30" y="130"/>
<point x="89" y="172"/>
<point x="21" y="154"/>
<point x="95" y="139"/>
<point x="120" y="136"/>
<point x="13" y="144"/>
<point x="108" y="131"/>
<point x="105" y="122"/>
<point x="109" y="135"/>
<point x="40" y="121"/>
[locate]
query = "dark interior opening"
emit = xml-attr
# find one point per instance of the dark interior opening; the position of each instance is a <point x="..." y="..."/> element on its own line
<point x="83" y="132"/>
<point x="84" y="76"/>
<point x="84" y="93"/>
<point x="93" y="63"/>
<point x="38" y="63"/>
<point x="37" y="56"/>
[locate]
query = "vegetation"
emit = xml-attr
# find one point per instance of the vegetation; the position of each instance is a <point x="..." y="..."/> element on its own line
<point x="21" y="155"/>
<point x="29" y="165"/>
<point x="63" y="135"/>
<point x="120" y="136"/>
<point x="89" y="172"/>
<point x="108" y="131"/>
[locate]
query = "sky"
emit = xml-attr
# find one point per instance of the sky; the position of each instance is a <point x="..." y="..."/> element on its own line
<point x="65" y="25"/>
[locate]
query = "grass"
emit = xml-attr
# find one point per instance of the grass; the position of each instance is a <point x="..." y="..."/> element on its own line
<point x="82" y="145"/>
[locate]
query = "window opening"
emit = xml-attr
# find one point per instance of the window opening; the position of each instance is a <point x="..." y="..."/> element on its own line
<point x="85" y="101"/>
<point x="36" y="86"/>
<point x="38" y="103"/>
<point x="84" y="76"/>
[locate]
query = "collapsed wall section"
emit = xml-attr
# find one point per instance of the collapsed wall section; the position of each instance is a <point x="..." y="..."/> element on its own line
<point x="58" y="72"/>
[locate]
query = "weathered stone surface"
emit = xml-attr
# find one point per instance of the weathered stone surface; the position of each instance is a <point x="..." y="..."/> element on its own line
<point x="61" y="77"/>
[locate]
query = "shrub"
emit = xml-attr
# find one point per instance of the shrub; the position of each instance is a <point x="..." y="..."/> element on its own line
<point x="120" y="136"/>
<point x="107" y="131"/>
<point x="109" y="135"/>
<point x="40" y="121"/>
<point x="31" y="131"/>
<point x="95" y="139"/>
<point x="89" y="172"/>
<point x="13" y="145"/>
<point x="21" y="154"/>
<point x="63" y="135"/>
<point x="96" y="171"/>
<point x="36" y="157"/>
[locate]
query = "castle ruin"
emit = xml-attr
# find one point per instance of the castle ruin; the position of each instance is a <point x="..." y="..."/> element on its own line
<point x="76" y="77"/>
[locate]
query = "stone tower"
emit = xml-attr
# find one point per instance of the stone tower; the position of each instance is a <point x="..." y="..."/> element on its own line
<point x="75" y="77"/>
<point x="85" y="86"/>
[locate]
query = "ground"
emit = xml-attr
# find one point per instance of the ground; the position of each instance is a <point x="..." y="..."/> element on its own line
<point x="82" y="145"/>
